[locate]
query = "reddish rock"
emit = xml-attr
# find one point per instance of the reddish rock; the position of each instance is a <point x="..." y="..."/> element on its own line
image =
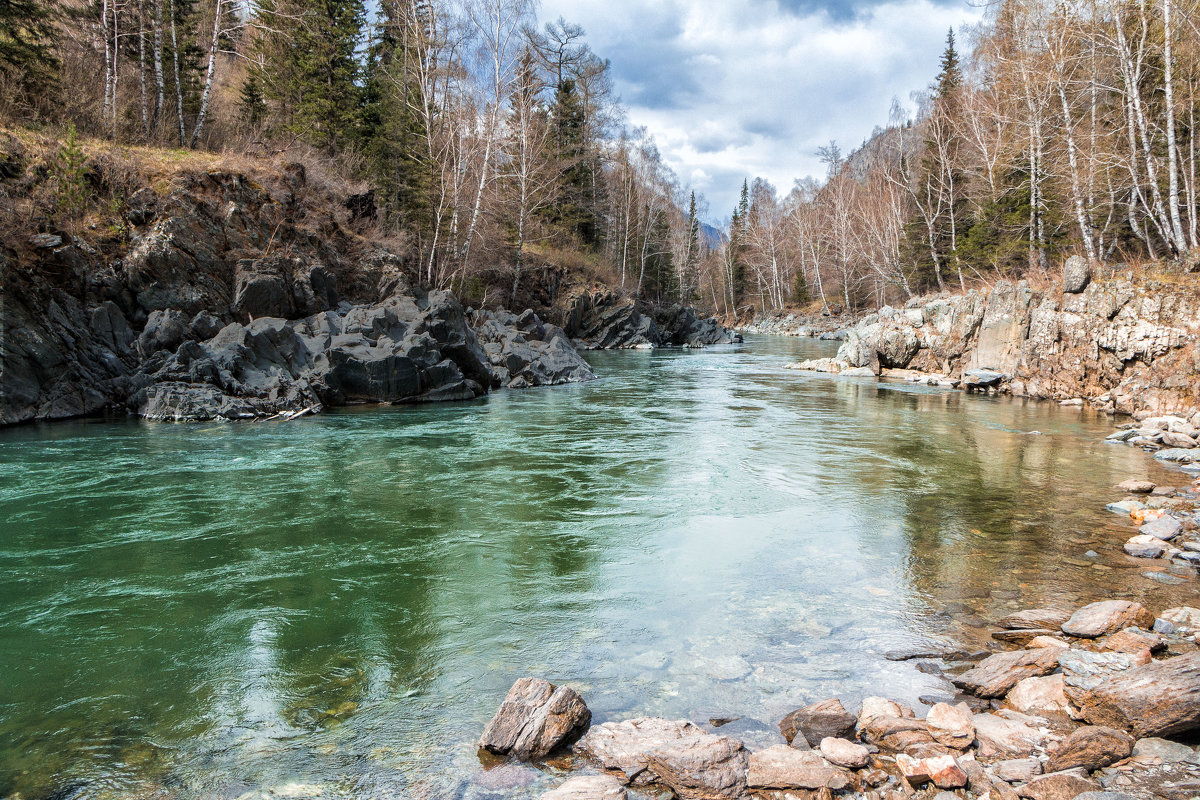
<point x="1091" y="747"/>
<point x="996" y="674"/>
<point x="783" y="767"/>
<point x="1105" y="617"/>
<point x="1035" y="618"/>
<point x="1134" y="640"/>
<point x="1058" y="786"/>
<point x="941" y="771"/>
<point x="951" y="725"/>
<point x="818" y="721"/>
<point x="1159" y="699"/>
<point x="588" y="787"/>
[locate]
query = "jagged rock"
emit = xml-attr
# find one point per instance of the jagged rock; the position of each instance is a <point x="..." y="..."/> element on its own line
<point x="951" y="725"/>
<point x="1017" y="770"/>
<point x="1104" y="617"/>
<point x="1039" y="695"/>
<point x="1091" y="747"/>
<point x="679" y="326"/>
<point x="942" y="771"/>
<point x="783" y="767"/>
<point x="1077" y="274"/>
<point x="996" y="674"/>
<point x="1158" y="699"/>
<point x="818" y="721"/>
<point x="1134" y="640"/>
<point x="535" y="718"/>
<point x="1058" y="786"/>
<point x="704" y="767"/>
<point x="1184" y="618"/>
<point x="1163" y="528"/>
<point x="524" y="351"/>
<point x="899" y="735"/>
<point x="588" y="787"/>
<point x="621" y="747"/>
<point x="844" y="753"/>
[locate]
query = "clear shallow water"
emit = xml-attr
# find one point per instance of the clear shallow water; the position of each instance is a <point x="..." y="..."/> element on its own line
<point x="340" y="603"/>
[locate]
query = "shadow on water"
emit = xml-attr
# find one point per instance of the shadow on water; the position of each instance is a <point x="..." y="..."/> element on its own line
<point x="205" y="610"/>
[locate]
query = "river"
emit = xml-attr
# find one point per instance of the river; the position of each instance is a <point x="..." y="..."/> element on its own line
<point x="335" y="606"/>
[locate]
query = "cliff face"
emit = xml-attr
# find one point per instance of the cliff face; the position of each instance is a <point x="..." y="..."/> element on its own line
<point x="1119" y="347"/>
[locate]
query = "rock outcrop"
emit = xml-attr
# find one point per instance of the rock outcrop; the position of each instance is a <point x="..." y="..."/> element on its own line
<point x="535" y="718"/>
<point x="604" y="320"/>
<point x="1119" y="347"/>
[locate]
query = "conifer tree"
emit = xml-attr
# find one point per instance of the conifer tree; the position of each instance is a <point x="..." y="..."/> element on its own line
<point x="26" y="44"/>
<point x="574" y="210"/>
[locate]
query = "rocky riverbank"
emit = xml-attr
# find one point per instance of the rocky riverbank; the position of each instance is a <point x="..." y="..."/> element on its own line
<point x="222" y="301"/>
<point x="1110" y="344"/>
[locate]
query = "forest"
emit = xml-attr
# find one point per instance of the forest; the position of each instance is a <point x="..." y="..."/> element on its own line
<point x="498" y="152"/>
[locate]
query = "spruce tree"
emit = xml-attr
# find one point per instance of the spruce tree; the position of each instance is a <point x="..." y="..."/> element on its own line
<point x="574" y="210"/>
<point x="27" y="33"/>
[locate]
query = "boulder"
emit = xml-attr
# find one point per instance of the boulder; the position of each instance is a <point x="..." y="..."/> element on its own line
<point x="818" y="721"/>
<point x="588" y="787"/>
<point x="1084" y="670"/>
<point x="1163" y="749"/>
<point x="535" y="718"/>
<point x="1163" y="528"/>
<point x="1035" y="618"/>
<point x="1039" y="695"/>
<point x="1106" y="616"/>
<point x="1134" y="641"/>
<point x="998" y="673"/>
<point x="1144" y="546"/>
<point x="1058" y="786"/>
<point x="1184" y="618"/>
<point x="997" y="737"/>
<point x="1091" y="747"/>
<point x="844" y="753"/>
<point x="899" y="735"/>
<point x="703" y="767"/>
<point x="1077" y="274"/>
<point x="783" y="767"/>
<point x="942" y="771"/>
<point x="621" y="747"/>
<point x="1135" y="486"/>
<point x="1158" y="699"/>
<point x="951" y="725"/>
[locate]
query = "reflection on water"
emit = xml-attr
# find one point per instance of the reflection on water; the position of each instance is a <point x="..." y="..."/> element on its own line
<point x="208" y="610"/>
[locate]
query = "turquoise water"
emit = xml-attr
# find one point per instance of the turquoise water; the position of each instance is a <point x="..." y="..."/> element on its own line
<point x="335" y="606"/>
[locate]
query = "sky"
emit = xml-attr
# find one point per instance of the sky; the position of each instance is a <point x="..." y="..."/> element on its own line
<point x="738" y="89"/>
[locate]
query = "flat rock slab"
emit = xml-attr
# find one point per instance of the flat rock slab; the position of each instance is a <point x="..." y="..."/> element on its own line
<point x="1084" y="670"/>
<point x="1183" y="618"/>
<point x="844" y="753"/>
<point x="1159" y="699"/>
<point x="535" y="718"/>
<point x="1164" y="749"/>
<point x="1105" y="617"/>
<point x="783" y="767"/>
<point x="1134" y="640"/>
<point x="996" y="674"/>
<point x="1164" y="528"/>
<point x="1017" y="770"/>
<point x="900" y="735"/>
<point x="951" y="725"/>
<point x="621" y="747"/>
<point x="1035" y="618"/>
<point x="589" y="787"/>
<point x="1058" y="786"/>
<point x="1091" y="747"/>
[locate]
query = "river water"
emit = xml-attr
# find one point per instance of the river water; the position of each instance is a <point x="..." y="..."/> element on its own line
<point x="335" y="606"/>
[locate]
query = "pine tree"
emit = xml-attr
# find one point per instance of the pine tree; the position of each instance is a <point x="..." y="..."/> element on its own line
<point x="252" y="105"/>
<point x="690" y="272"/>
<point x="737" y="246"/>
<point x="309" y="67"/>
<point x="574" y="210"/>
<point x="27" y="33"/>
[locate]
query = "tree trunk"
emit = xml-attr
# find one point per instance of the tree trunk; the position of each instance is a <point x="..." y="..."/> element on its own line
<point x="208" y="76"/>
<point x="178" y="85"/>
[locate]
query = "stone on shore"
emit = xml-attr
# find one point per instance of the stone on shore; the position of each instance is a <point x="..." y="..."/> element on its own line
<point x="704" y="767"/>
<point x="783" y="767"/>
<point x="844" y="753"/>
<point x="1135" y="486"/>
<point x="892" y="727"/>
<point x="535" y="718"/>
<point x="1163" y="749"/>
<point x="1184" y="618"/>
<point x="1058" y="786"/>
<point x="1039" y="695"/>
<point x="998" y="737"/>
<point x="818" y="721"/>
<point x="1084" y="670"/>
<point x="1107" y="616"/>
<point x="1017" y="770"/>
<point x="1144" y="546"/>
<point x="951" y="725"/>
<point x="942" y="771"/>
<point x="621" y="747"/>
<point x="1035" y="618"/>
<point x="1134" y="641"/>
<point x="1091" y="747"/>
<point x="998" y="673"/>
<point x="1046" y="641"/>
<point x="1159" y="699"/>
<point x="588" y="787"/>
<point x="1164" y="528"/>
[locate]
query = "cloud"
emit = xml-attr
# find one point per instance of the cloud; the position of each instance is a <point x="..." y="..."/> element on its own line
<point x="734" y="89"/>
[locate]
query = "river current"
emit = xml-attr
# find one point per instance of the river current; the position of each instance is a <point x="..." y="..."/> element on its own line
<point x="335" y="606"/>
